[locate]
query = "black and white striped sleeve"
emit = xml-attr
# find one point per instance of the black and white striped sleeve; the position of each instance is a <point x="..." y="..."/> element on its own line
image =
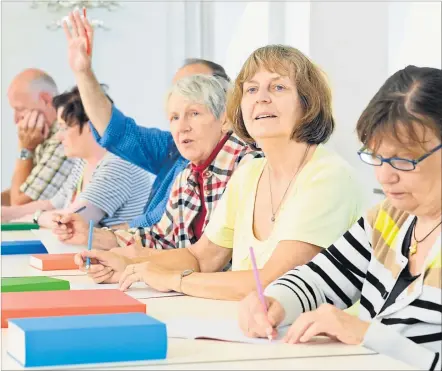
<point x="386" y="340"/>
<point x="334" y="276"/>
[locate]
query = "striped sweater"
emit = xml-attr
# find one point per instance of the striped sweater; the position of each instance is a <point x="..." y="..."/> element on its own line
<point x="117" y="187"/>
<point x="365" y="264"/>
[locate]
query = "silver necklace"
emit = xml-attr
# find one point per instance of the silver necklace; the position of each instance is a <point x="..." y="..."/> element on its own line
<point x="273" y="218"/>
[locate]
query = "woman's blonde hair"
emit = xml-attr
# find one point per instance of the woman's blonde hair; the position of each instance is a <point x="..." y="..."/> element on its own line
<point x="317" y="123"/>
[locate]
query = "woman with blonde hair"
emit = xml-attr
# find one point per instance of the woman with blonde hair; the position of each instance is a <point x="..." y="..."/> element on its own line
<point x="287" y="206"/>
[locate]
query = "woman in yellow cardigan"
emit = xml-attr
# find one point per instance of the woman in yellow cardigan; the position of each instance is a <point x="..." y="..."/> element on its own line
<point x="288" y="205"/>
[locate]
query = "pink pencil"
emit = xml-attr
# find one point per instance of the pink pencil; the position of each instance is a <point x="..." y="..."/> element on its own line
<point x="258" y="284"/>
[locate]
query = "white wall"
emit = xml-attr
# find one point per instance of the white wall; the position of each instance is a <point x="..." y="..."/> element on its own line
<point x="348" y="40"/>
<point x="414" y="34"/>
<point x="134" y="58"/>
<point x="358" y="44"/>
<point x="235" y="44"/>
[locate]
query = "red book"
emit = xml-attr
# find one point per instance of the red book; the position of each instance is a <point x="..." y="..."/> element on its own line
<point x="53" y="262"/>
<point x="64" y="303"/>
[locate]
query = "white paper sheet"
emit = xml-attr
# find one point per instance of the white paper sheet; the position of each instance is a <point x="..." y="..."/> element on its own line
<point x="216" y="329"/>
<point x="138" y="290"/>
<point x="53" y="245"/>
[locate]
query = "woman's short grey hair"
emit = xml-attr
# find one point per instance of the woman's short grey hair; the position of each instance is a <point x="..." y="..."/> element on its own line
<point x="207" y="90"/>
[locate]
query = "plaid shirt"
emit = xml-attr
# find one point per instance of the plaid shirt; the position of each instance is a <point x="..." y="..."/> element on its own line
<point x="174" y="230"/>
<point x="50" y="171"/>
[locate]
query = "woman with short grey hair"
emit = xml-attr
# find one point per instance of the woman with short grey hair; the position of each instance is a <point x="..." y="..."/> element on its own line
<point x="209" y="91"/>
<point x="195" y="108"/>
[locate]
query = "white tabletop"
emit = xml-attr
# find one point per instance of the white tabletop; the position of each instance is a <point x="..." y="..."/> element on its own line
<point x="17" y="236"/>
<point x="203" y="354"/>
<point x="18" y="266"/>
<point x="207" y="353"/>
<point x="362" y="362"/>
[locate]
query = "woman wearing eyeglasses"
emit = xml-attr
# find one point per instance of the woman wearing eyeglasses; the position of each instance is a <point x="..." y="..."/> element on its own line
<point x="391" y="258"/>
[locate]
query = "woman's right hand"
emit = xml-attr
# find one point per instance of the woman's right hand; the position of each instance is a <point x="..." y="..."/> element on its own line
<point x="254" y="322"/>
<point x="80" y="39"/>
<point x="105" y="266"/>
<point x="70" y="228"/>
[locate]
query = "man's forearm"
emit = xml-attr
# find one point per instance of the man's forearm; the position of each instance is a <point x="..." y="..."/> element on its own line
<point x="96" y="104"/>
<point x="17" y="212"/>
<point x="104" y="240"/>
<point x="21" y="172"/>
<point x="120" y="226"/>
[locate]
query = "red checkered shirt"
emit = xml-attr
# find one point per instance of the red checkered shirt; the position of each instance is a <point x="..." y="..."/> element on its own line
<point x="174" y="230"/>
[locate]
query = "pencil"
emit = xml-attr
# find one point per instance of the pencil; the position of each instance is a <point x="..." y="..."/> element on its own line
<point x="75" y="212"/>
<point x="89" y="242"/>
<point x="258" y="284"/>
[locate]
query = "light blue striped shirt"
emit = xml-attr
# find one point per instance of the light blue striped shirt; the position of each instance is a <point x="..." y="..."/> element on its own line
<point x="117" y="187"/>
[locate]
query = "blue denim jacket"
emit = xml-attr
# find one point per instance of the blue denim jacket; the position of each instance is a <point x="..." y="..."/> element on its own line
<point x="151" y="149"/>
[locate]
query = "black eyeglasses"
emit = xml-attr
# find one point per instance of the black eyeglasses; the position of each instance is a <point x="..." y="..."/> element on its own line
<point x="398" y="163"/>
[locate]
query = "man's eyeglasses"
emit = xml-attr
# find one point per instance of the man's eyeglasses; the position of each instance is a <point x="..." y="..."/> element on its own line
<point x="398" y="163"/>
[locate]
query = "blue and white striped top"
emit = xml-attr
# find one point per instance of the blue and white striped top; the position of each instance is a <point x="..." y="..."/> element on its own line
<point x="117" y="187"/>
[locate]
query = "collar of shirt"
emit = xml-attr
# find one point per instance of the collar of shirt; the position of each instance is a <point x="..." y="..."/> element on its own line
<point x="50" y="141"/>
<point x="218" y="161"/>
<point x="53" y="129"/>
<point x="209" y="160"/>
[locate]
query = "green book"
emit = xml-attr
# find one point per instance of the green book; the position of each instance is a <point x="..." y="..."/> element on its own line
<point x="21" y="284"/>
<point x="19" y="226"/>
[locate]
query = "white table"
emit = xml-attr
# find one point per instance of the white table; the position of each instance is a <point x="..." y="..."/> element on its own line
<point x="18" y="266"/>
<point x="180" y="357"/>
<point x="17" y="236"/>
<point x="363" y="362"/>
<point x="204" y="354"/>
<point x="189" y="354"/>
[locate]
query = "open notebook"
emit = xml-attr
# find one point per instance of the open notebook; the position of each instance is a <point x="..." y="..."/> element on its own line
<point x="214" y="329"/>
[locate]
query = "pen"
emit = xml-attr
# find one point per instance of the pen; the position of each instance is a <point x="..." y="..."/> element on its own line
<point x="89" y="242"/>
<point x="75" y="212"/>
<point x="258" y="284"/>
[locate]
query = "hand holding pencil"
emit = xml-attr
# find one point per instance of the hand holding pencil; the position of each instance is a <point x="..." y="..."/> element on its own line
<point x="259" y="315"/>
<point x="256" y="323"/>
<point x="80" y="40"/>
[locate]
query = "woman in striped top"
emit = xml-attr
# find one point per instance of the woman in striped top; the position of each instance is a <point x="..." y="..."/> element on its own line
<point x="390" y="259"/>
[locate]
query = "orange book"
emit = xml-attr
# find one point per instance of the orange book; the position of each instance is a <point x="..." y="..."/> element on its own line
<point x="65" y="303"/>
<point x="53" y="262"/>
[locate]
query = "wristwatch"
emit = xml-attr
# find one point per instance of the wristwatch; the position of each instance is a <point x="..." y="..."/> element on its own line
<point x="36" y="216"/>
<point x="183" y="274"/>
<point x="25" y="154"/>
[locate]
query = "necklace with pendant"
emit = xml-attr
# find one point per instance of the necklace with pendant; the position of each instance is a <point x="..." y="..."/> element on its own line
<point x="274" y="212"/>
<point x="414" y="245"/>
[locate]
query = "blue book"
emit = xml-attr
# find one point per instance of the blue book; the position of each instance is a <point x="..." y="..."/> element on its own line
<point x="98" y="338"/>
<point x="23" y="247"/>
